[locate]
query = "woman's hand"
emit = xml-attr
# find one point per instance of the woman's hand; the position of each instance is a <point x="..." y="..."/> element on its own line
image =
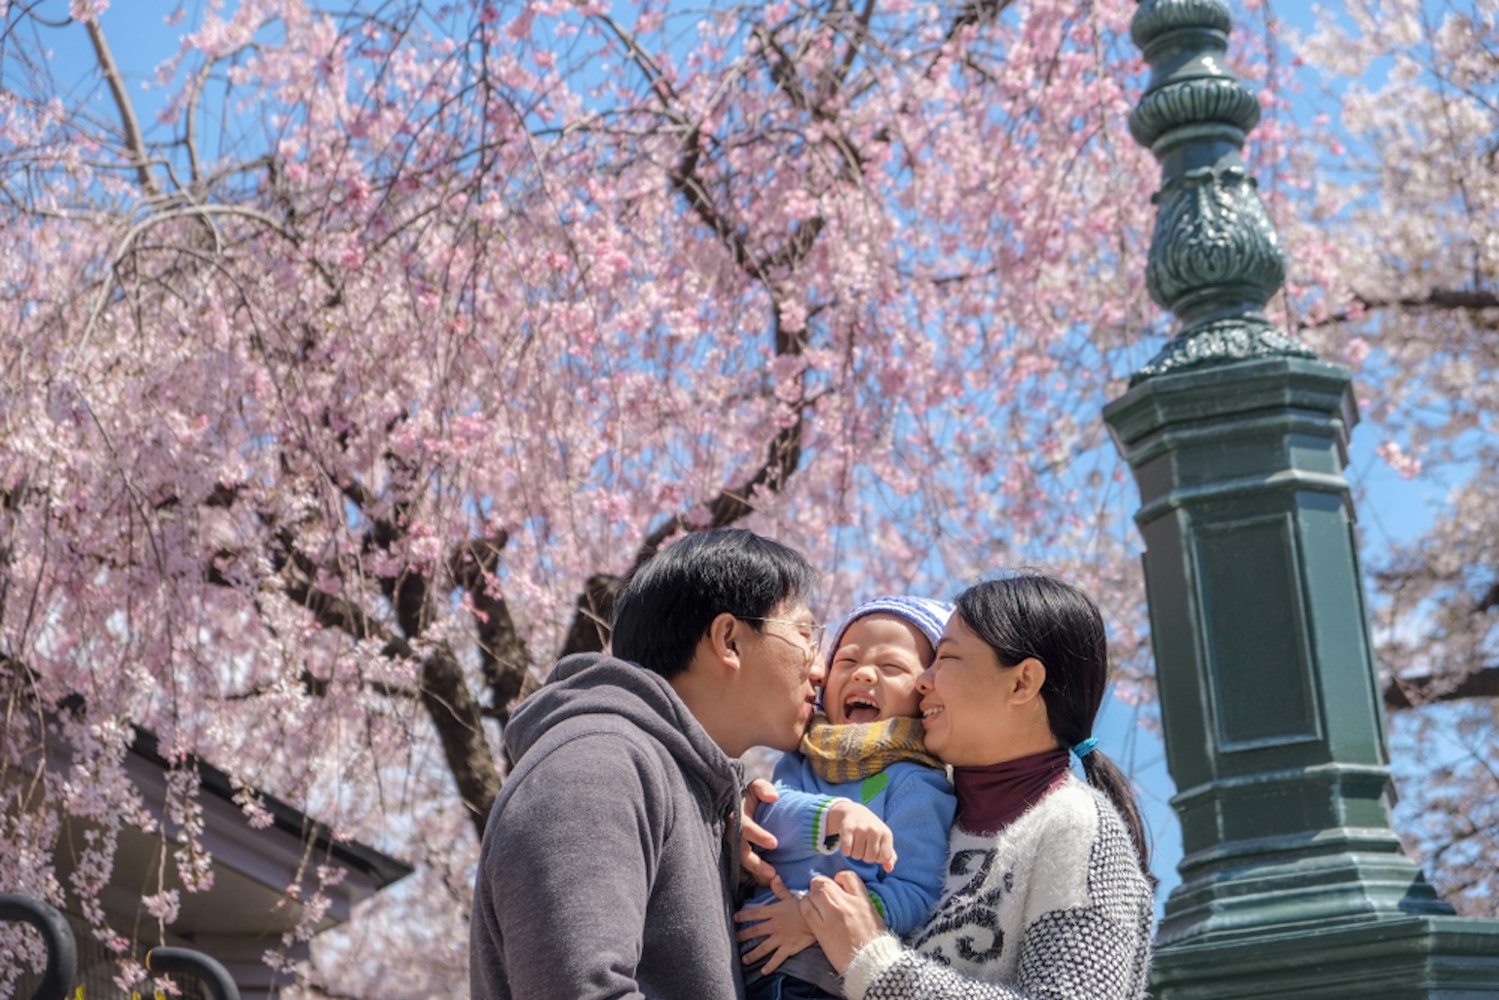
<point x="841" y="915"/>
<point x="862" y="835"/>
<point x="754" y="835"/>
<point x="780" y="924"/>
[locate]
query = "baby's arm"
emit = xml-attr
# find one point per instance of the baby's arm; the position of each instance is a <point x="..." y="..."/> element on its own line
<point x="798" y="819"/>
<point x="805" y="823"/>
<point x="919" y="808"/>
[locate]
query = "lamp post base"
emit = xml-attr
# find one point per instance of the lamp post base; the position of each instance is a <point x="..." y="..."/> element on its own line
<point x="1439" y="958"/>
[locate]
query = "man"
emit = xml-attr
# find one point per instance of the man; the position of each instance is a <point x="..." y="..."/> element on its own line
<point x="610" y="858"/>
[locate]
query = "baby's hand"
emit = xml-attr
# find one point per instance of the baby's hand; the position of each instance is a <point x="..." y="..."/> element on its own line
<point x="862" y="835"/>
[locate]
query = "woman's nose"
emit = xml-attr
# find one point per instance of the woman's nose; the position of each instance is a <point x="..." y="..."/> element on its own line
<point x="924" y="681"/>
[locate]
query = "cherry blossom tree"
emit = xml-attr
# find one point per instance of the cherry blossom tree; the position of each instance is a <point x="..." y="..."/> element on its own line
<point x="1407" y="292"/>
<point x="350" y="364"/>
<point x="347" y="372"/>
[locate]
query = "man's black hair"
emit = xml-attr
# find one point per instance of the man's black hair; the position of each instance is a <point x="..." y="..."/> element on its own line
<point x="668" y="604"/>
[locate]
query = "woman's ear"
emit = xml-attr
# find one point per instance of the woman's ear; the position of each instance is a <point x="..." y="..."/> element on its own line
<point x="1026" y="679"/>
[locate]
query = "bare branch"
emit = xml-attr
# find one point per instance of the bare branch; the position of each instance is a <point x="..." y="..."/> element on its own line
<point x="503" y="656"/>
<point x="134" y="140"/>
<point x="589" y="632"/>
<point x="459" y="723"/>
<point x="1402" y="693"/>
<point x="1453" y="299"/>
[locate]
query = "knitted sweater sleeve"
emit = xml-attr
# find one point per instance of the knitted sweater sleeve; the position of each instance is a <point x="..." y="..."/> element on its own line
<point x="1099" y="951"/>
<point x="798" y="819"/>
<point x="1089" y="960"/>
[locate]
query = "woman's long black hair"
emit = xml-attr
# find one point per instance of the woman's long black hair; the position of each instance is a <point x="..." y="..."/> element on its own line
<point x="1032" y="615"/>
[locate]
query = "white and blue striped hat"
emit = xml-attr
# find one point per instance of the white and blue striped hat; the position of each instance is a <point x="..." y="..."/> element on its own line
<point x="929" y="616"/>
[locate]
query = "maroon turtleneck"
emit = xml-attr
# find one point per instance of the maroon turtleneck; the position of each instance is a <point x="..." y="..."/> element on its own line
<point x="992" y="797"/>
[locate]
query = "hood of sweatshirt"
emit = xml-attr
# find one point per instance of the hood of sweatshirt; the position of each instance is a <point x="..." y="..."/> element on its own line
<point x="595" y="684"/>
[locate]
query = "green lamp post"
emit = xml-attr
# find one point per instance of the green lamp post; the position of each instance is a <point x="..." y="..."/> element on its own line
<point x="1293" y="882"/>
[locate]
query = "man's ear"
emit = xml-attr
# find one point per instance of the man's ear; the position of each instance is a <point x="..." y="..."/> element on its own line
<point x="725" y="634"/>
<point x="1026" y="679"/>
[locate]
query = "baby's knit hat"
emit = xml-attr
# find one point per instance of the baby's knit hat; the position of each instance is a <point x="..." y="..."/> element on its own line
<point x="929" y="616"/>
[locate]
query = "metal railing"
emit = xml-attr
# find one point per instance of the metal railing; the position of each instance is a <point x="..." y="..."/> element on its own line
<point x="61" y="973"/>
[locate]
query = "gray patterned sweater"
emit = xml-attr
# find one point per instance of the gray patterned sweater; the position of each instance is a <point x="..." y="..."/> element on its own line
<point x="1053" y="907"/>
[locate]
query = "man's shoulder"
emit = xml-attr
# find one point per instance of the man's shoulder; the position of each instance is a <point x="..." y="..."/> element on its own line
<point x="585" y="770"/>
<point x="593" y="736"/>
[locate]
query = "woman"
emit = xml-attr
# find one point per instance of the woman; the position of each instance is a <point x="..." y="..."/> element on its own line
<point x="1047" y="891"/>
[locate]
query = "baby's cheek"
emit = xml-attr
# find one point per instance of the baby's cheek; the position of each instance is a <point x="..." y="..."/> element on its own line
<point x="904" y="699"/>
<point x="832" y="695"/>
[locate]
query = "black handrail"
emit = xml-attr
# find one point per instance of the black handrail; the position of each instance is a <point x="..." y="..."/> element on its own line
<point x="62" y="949"/>
<point x="194" y="963"/>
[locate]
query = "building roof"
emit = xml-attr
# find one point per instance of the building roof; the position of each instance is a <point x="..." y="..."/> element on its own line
<point x="380" y="868"/>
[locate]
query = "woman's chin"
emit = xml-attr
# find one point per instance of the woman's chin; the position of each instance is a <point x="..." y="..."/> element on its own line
<point x="934" y="741"/>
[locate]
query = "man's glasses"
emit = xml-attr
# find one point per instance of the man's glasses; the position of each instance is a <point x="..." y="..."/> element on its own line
<point x="812" y="632"/>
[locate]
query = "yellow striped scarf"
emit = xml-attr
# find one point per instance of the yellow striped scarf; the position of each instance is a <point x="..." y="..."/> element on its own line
<point x="855" y="751"/>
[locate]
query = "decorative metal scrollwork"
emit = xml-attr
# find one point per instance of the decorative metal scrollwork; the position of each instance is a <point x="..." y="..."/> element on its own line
<point x="1215" y="258"/>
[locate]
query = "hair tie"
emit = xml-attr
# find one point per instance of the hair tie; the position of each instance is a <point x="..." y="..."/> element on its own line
<point x="1084" y="748"/>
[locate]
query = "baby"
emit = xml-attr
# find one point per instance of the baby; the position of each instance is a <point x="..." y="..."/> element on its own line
<point x="860" y="774"/>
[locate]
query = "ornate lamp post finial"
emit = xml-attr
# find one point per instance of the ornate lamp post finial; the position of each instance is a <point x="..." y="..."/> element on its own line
<point x="1215" y="259"/>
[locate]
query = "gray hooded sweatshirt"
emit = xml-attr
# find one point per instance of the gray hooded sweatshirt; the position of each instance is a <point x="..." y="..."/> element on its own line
<point x="609" y="862"/>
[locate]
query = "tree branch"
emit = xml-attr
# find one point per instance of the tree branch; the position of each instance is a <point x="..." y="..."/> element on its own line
<point x="1454" y="299"/>
<point x="1403" y="693"/>
<point x="134" y="140"/>
<point x="459" y="723"/>
<point x="444" y="693"/>
<point x="974" y="13"/>
<point x="733" y="503"/>
<point x="1490" y="600"/>
<point x="331" y="611"/>
<point x="503" y="656"/>
<point x="686" y="180"/>
<point x="835" y="78"/>
<point x="589" y="632"/>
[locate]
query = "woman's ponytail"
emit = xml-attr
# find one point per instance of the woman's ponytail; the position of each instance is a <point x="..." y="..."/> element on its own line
<point x="1104" y="775"/>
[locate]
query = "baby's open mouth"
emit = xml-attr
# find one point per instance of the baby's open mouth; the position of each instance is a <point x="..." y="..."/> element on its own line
<point x="860" y="707"/>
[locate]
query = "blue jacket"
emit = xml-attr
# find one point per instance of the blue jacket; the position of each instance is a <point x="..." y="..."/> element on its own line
<point x="917" y="802"/>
